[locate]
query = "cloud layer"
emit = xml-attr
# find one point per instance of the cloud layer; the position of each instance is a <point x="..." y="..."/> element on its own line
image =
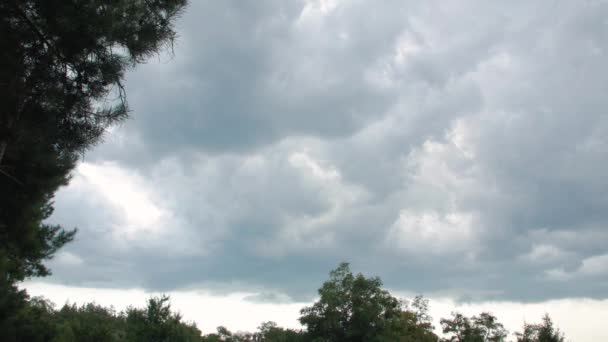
<point x="450" y="148"/>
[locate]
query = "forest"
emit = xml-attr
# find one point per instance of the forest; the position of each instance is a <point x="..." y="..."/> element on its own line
<point x="62" y="66"/>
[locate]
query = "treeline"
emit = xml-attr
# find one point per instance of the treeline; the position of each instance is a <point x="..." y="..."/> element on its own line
<point x="350" y="308"/>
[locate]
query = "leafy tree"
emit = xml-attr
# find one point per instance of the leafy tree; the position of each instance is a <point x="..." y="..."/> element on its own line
<point x="37" y="320"/>
<point x="157" y="323"/>
<point x="25" y="239"/>
<point x="460" y="329"/>
<point x="489" y="327"/>
<point x="32" y="322"/>
<point x="61" y="64"/>
<point x="267" y="332"/>
<point x="270" y="332"/>
<point x="417" y="323"/>
<point x="353" y="308"/>
<point x="211" y="338"/>
<point x="89" y="323"/>
<point x="223" y="334"/>
<point x="60" y="58"/>
<point x="543" y="332"/>
<point x="482" y="328"/>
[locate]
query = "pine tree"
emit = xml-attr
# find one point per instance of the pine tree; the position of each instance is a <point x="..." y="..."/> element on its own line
<point x="62" y="63"/>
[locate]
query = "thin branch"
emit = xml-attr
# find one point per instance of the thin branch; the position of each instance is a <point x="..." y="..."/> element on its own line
<point x="10" y="177"/>
<point x="36" y="30"/>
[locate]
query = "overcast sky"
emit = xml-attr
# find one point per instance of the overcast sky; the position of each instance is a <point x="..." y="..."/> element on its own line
<point x="453" y="148"/>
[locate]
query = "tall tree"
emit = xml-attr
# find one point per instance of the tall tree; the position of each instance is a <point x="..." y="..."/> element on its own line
<point x="270" y="332"/>
<point x="490" y="329"/>
<point x="62" y="64"/>
<point x="62" y="58"/>
<point x="25" y="238"/>
<point x="417" y="323"/>
<point x="459" y="328"/>
<point x="354" y="308"/>
<point x="542" y="332"/>
<point x="89" y="323"/>
<point x="158" y="323"/>
<point x="482" y="328"/>
<point x="33" y="322"/>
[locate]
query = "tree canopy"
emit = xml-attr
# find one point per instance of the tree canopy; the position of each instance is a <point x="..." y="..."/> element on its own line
<point x="482" y="328"/>
<point x="356" y="308"/>
<point x="542" y="332"/>
<point x="62" y="64"/>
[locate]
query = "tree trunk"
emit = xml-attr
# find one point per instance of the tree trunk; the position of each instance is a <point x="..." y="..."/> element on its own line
<point x="3" y="145"/>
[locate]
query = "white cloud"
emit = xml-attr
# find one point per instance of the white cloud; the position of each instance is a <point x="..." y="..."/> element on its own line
<point x="557" y="274"/>
<point x="65" y="258"/>
<point x="595" y="265"/>
<point x="543" y="253"/>
<point x="315" y="8"/>
<point x="432" y="233"/>
<point x="137" y="215"/>
<point x="125" y="190"/>
<point x="303" y="160"/>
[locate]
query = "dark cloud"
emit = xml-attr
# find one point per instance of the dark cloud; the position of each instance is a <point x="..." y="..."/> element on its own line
<point x="455" y="148"/>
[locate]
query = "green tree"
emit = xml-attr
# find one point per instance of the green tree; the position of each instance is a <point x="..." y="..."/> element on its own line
<point x="417" y="323"/>
<point x="157" y="323"/>
<point x="25" y="239"/>
<point x="482" y="328"/>
<point x="61" y="58"/>
<point x="270" y="332"/>
<point x="61" y="68"/>
<point x="33" y="321"/>
<point x="222" y="334"/>
<point x="353" y="308"/>
<point x="89" y="323"/>
<point x="489" y="327"/>
<point x="459" y="328"/>
<point x="542" y="332"/>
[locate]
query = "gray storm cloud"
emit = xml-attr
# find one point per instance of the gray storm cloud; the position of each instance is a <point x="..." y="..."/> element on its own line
<point x="447" y="147"/>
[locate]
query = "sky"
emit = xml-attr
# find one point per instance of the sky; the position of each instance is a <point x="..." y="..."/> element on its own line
<point x="456" y="149"/>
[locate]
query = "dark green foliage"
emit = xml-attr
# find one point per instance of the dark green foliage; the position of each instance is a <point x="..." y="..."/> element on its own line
<point x="89" y="323"/>
<point x="12" y="300"/>
<point x="350" y="308"/>
<point x="489" y="327"/>
<point x="270" y="332"/>
<point x="356" y="308"/>
<point x="157" y="323"/>
<point x="32" y="322"/>
<point x="267" y="332"/>
<point x="61" y="57"/>
<point x="417" y="323"/>
<point x="61" y="68"/>
<point x="59" y="60"/>
<point x="482" y="328"/>
<point x="36" y="320"/>
<point x="225" y="335"/>
<point x="25" y="240"/>
<point x="543" y="332"/>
